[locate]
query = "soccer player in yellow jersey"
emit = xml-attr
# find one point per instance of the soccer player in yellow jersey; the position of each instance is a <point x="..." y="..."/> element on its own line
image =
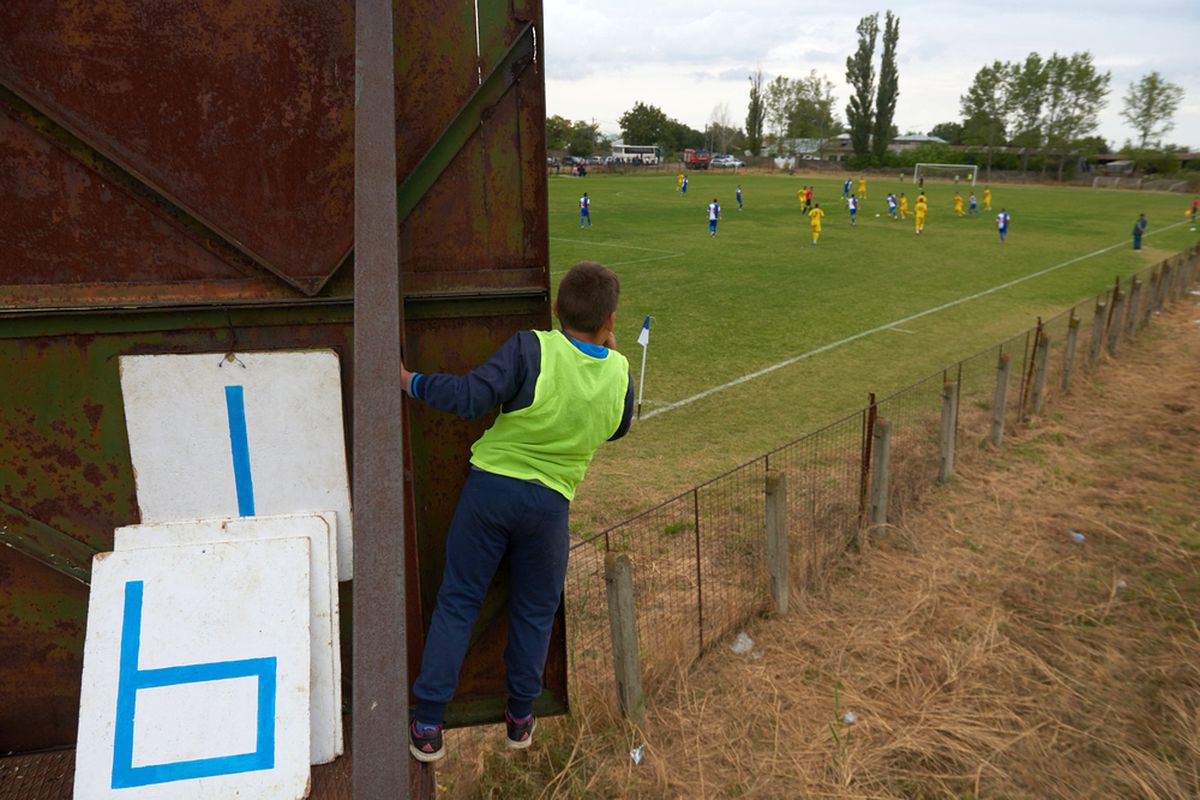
<point x="922" y="208"/>
<point x="987" y="198"/>
<point x="814" y="219"/>
<point x="903" y="206"/>
<point x="679" y="183"/>
<point x="958" y="204"/>
<point x="862" y="188"/>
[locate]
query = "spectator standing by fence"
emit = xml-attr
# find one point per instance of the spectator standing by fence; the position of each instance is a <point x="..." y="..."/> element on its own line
<point x="1139" y="229"/>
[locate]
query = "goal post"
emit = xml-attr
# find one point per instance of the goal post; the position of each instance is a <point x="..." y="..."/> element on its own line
<point x="955" y="172"/>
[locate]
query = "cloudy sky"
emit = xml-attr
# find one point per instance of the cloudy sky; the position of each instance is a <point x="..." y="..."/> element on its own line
<point x="690" y="57"/>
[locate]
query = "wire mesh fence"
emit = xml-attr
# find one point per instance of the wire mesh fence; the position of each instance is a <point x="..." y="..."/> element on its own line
<point x="700" y="558"/>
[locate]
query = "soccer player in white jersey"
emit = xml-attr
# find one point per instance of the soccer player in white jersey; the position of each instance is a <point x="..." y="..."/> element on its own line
<point x="714" y="214"/>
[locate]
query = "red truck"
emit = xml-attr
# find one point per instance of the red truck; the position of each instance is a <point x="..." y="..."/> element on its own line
<point x="696" y="159"/>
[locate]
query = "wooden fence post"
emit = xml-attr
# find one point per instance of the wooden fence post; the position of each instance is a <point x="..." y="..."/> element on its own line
<point x="1039" y="374"/>
<point x="949" y="418"/>
<point x="1069" y="351"/>
<point x="1000" y="403"/>
<point x="777" y="539"/>
<point x="1151" y="294"/>
<point x="1164" y="283"/>
<point x="1135" y="304"/>
<point x="622" y="618"/>
<point x="1118" y="322"/>
<point x="1097" y="333"/>
<point x="881" y="456"/>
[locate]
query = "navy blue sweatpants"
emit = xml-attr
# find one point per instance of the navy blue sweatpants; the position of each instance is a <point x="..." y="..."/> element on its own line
<point x="496" y="517"/>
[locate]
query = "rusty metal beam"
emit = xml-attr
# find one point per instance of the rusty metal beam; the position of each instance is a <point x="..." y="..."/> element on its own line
<point x="381" y="760"/>
<point x="88" y="154"/>
<point x="44" y="544"/>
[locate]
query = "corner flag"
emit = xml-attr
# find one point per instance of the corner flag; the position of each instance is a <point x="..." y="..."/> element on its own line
<point x="644" y="340"/>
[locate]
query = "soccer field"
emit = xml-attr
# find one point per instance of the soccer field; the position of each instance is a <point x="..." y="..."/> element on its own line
<point x="758" y="337"/>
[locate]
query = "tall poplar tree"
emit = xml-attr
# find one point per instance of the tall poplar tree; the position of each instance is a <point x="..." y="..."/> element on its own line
<point x="889" y="87"/>
<point x="860" y="74"/>
<point x="756" y="113"/>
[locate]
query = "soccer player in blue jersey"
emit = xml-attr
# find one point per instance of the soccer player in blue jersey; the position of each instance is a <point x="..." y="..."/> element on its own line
<point x="683" y="186"/>
<point x="714" y="215"/>
<point x="739" y="196"/>
<point x="846" y="189"/>
<point x="891" y="200"/>
<point x="853" y="209"/>
<point x="972" y="205"/>
<point x="585" y="210"/>
<point x="1002" y="224"/>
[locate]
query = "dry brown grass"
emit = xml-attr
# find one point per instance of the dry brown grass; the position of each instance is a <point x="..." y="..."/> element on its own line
<point x="985" y="653"/>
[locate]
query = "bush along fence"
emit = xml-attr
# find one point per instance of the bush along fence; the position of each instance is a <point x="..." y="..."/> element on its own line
<point x="656" y="591"/>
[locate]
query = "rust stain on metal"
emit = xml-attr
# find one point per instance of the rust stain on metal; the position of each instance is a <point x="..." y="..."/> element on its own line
<point x="240" y="113"/>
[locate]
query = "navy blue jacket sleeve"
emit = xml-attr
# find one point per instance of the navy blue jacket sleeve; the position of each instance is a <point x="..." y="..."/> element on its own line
<point x="507" y="379"/>
<point x="627" y="416"/>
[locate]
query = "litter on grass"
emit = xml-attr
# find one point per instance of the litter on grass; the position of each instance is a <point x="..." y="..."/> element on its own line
<point x="636" y="753"/>
<point x="1078" y="537"/>
<point x="849" y="718"/>
<point x="742" y="644"/>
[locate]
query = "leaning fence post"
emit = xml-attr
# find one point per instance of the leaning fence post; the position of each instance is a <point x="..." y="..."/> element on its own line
<point x="1001" y="400"/>
<point x="1114" y="331"/>
<point x="881" y="456"/>
<point x="1164" y="282"/>
<point x="1042" y="359"/>
<point x="622" y="618"/>
<point x="1097" y="333"/>
<point x="1069" y="351"/>
<point x="1135" y="302"/>
<point x="1151" y="294"/>
<point x="777" y="539"/>
<point x="949" y="416"/>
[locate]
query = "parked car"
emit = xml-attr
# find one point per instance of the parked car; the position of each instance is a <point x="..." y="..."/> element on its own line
<point x="727" y="161"/>
<point x="596" y="160"/>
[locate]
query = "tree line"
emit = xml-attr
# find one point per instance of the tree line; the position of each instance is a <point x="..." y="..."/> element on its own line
<point x="1048" y="106"/>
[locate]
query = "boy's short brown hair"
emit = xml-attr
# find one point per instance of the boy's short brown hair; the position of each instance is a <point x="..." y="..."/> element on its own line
<point x="587" y="294"/>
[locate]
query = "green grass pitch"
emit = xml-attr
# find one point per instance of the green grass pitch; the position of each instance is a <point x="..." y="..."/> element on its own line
<point x="759" y="294"/>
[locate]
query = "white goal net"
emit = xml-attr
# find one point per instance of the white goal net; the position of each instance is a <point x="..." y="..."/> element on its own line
<point x="958" y="173"/>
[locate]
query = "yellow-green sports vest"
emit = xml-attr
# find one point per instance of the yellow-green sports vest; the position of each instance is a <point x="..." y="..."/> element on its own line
<point x="578" y="402"/>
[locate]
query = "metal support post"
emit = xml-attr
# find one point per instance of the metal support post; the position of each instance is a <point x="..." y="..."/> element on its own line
<point x="380" y="718"/>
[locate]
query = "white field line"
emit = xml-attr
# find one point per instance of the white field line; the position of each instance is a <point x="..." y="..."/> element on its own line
<point x="863" y="334"/>
<point x="900" y="330"/>
<point x="665" y="253"/>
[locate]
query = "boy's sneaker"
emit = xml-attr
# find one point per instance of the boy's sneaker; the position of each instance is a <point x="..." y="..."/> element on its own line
<point x="426" y="746"/>
<point x="520" y="731"/>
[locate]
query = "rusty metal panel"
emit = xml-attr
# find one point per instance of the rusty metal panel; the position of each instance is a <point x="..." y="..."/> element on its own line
<point x="239" y="113"/>
<point x="474" y="258"/>
<point x="65" y="474"/>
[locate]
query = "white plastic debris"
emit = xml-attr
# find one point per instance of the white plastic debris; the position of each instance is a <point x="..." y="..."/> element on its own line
<point x="742" y="644"/>
<point x="637" y="753"/>
<point x="849" y="718"/>
<point x="756" y="655"/>
<point x="1121" y="584"/>
<point x="1078" y="537"/>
